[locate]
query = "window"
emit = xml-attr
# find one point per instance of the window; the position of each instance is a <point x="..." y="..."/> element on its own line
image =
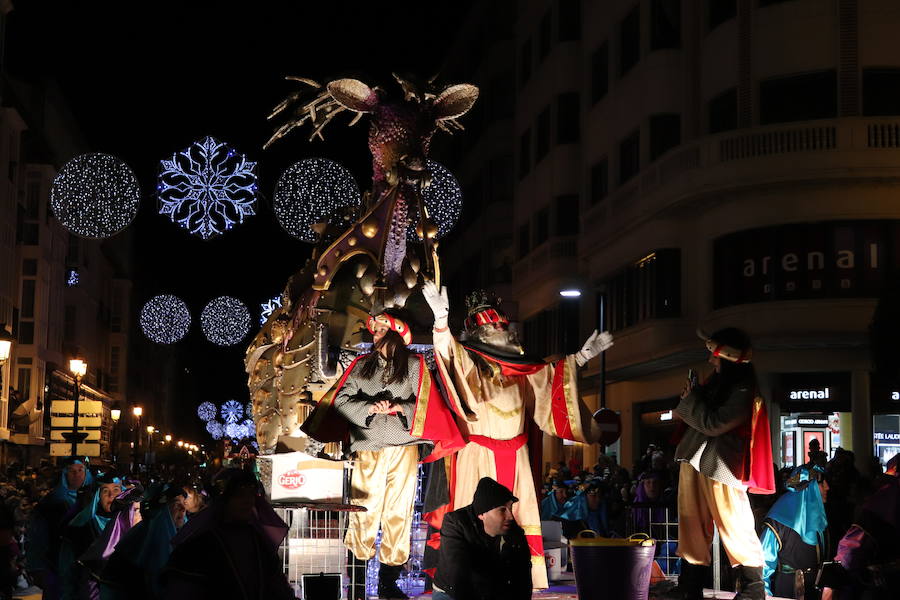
<point x="721" y="11"/>
<point x="648" y="289"/>
<point x="30" y="235"/>
<point x="542" y="135"/>
<point x="568" y="118"/>
<point x="541" y="226"/>
<point x="28" y="298"/>
<point x="553" y="331"/>
<point x="524" y="153"/>
<point x="665" y="24"/>
<point x="112" y="382"/>
<point x="500" y="173"/>
<point x="24" y="384"/>
<point x="566" y="221"/>
<point x="569" y="20"/>
<point x="33" y="200"/>
<point x="665" y="134"/>
<point x="600" y="73"/>
<point x="525" y="63"/>
<point x="798" y="97"/>
<point x="70" y="323"/>
<point x="723" y="112"/>
<point x="630" y="156"/>
<point x="881" y="92"/>
<point x="26" y="332"/>
<point x="599" y="181"/>
<point x="72" y="252"/>
<point x="630" y="40"/>
<point x="524" y="241"/>
<point x="545" y="33"/>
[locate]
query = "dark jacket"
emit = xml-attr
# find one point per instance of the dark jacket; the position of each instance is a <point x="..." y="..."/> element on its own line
<point x="475" y="566"/>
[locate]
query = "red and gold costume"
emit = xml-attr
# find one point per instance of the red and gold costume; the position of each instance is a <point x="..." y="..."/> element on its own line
<point x="493" y="410"/>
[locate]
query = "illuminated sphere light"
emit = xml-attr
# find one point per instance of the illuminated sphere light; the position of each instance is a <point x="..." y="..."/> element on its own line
<point x="207" y="411"/>
<point x="443" y="199"/>
<point x="207" y="188"/>
<point x="165" y="319"/>
<point x="249" y="427"/>
<point x="267" y="308"/>
<point x="235" y="431"/>
<point x="215" y="429"/>
<point x="313" y="190"/>
<point x="232" y="411"/>
<point x="225" y="321"/>
<point x="95" y="195"/>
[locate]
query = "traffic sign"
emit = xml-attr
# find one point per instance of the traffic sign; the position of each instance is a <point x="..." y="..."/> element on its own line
<point x="65" y="449"/>
<point x="610" y="425"/>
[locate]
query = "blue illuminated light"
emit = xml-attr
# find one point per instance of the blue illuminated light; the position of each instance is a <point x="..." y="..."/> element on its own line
<point x="72" y="278"/>
<point x="207" y="188"/>
<point x="267" y="308"/>
<point x="232" y="411"/>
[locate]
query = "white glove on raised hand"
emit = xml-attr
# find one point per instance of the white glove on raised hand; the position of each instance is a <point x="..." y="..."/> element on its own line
<point x="597" y="343"/>
<point x="437" y="300"/>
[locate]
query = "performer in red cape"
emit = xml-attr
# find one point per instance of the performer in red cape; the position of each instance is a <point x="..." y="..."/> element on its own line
<point x="387" y="407"/>
<point x="725" y="452"/>
<point x="493" y="388"/>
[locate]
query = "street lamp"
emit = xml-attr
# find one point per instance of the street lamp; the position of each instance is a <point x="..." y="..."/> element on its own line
<point x="6" y="342"/>
<point x="150" y="430"/>
<point x="168" y="438"/>
<point x="115" y="413"/>
<point x="78" y="368"/>
<point x="137" y="411"/>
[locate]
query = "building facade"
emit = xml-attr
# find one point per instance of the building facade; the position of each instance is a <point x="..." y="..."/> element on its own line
<point x="709" y="164"/>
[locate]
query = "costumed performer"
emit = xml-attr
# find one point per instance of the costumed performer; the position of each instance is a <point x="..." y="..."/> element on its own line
<point x="794" y="535"/>
<point x="388" y="405"/>
<point x="493" y="386"/>
<point x="725" y="451"/>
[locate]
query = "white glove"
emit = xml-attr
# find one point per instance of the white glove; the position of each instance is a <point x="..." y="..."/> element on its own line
<point x="438" y="302"/>
<point x="597" y="343"/>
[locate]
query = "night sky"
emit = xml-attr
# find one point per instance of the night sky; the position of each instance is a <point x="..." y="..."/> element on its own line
<point x="145" y="79"/>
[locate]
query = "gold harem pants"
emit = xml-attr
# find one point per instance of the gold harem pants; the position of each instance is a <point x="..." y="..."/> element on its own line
<point x="384" y="481"/>
<point x="703" y="501"/>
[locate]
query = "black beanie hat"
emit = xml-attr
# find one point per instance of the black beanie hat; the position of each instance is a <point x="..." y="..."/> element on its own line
<point x="489" y="495"/>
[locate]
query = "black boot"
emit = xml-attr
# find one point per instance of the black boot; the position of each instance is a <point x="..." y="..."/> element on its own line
<point x="387" y="583"/>
<point x="356" y="572"/>
<point x="690" y="582"/>
<point x="750" y="585"/>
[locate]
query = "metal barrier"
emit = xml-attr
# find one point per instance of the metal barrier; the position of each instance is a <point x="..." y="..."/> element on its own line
<point x="660" y="523"/>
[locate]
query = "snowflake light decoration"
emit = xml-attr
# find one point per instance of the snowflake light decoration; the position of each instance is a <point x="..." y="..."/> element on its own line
<point x="248" y="409"/>
<point x="72" y="278"/>
<point x="215" y="429"/>
<point x="207" y="411"/>
<point x="95" y="195"/>
<point x="249" y="427"/>
<point x="165" y="319"/>
<point x="443" y="199"/>
<point x="232" y="411"/>
<point x="313" y="190"/>
<point x="207" y="188"/>
<point x="235" y="431"/>
<point x="267" y="308"/>
<point x="225" y="321"/>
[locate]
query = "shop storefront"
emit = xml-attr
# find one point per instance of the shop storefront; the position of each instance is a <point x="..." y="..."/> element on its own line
<point x="885" y="421"/>
<point x="815" y="409"/>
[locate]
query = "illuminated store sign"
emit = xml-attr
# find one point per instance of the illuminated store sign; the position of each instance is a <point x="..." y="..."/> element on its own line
<point x="806" y="392"/>
<point x="823" y="394"/>
<point x="835" y="259"/>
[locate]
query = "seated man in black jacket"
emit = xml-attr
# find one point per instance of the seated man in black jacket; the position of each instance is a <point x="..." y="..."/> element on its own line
<point x="484" y="553"/>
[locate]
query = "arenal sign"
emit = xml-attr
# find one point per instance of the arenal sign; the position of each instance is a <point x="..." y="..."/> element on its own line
<point x="832" y="259"/>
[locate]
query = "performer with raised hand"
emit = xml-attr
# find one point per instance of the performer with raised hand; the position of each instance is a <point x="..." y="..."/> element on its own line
<point x="493" y="386"/>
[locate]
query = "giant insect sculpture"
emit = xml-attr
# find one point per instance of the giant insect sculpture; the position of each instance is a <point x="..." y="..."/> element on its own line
<point x="363" y="261"/>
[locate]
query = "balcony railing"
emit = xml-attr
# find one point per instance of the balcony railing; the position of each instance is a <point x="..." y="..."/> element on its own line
<point x="548" y="255"/>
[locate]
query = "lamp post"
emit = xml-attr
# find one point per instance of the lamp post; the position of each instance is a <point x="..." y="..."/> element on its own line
<point x="137" y="411"/>
<point x="150" y="430"/>
<point x="6" y="342"/>
<point x="116" y="414"/>
<point x="78" y="368"/>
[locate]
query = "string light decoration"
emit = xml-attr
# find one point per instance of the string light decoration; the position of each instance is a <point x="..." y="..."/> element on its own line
<point x="232" y="411"/>
<point x="267" y="308"/>
<point x="235" y="431"/>
<point x="207" y="411"/>
<point x="225" y="321"/>
<point x="95" y="195"/>
<point x="313" y="190"/>
<point x="207" y="188"/>
<point x="215" y="429"/>
<point x="165" y="319"/>
<point x="443" y="199"/>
